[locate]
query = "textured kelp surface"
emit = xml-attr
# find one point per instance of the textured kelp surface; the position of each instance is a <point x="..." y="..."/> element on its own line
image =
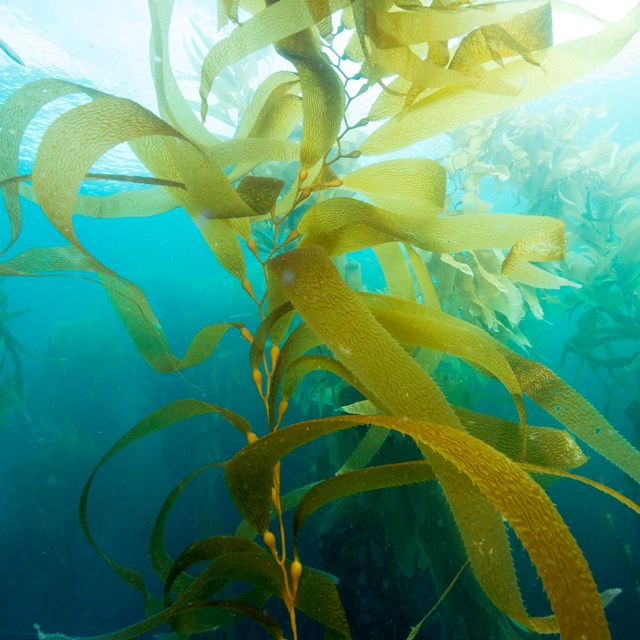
<point x="286" y="198"/>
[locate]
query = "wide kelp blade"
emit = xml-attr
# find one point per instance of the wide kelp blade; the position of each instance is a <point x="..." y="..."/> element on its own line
<point x="128" y="300"/>
<point x="450" y="107"/>
<point x="413" y="186"/>
<point x="15" y="115"/>
<point x="343" y="225"/>
<point x="532" y="515"/>
<point x="525" y="33"/>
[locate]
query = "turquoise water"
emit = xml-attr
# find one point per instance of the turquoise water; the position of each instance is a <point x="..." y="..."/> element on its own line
<point x="85" y="385"/>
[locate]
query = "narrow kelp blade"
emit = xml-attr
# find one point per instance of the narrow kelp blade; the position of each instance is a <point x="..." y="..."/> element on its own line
<point x="382" y="477"/>
<point x="450" y="107"/>
<point x="128" y="300"/>
<point x="166" y="416"/>
<point x="554" y="552"/>
<point x="172" y="105"/>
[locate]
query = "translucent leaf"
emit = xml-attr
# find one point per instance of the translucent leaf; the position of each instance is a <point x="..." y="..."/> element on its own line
<point x="171" y="103"/>
<point x="273" y="24"/>
<point x="15" y="115"/>
<point x="413" y="186"/>
<point x="448" y="108"/>
<point x="342" y="225"/>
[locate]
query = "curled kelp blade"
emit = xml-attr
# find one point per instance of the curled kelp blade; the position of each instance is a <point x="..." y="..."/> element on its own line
<point x="206" y="549"/>
<point x="525" y="505"/>
<point x="448" y="108"/>
<point x="166" y="416"/>
<point x="172" y="105"/>
<point x="323" y="94"/>
<point x="158" y="554"/>
<point x="276" y="22"/>
<point x="15" y="115"/>
<point x="342" y="225"/>
<point x="128" y="300"/>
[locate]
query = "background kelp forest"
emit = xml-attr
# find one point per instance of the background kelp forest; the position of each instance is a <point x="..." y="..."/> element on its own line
<point x="431" y="319"/>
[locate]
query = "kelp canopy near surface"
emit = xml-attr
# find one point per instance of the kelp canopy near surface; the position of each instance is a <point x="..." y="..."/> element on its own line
<point x="428" y="67"/>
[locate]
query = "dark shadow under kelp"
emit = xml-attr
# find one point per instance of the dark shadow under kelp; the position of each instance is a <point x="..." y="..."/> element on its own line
<point x="279" y="236"/>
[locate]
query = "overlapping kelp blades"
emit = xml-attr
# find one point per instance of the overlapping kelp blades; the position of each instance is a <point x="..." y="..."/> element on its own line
<point x="342" y="225"/>
<point x="275" y="23"/>
<point x="411" y="323"/>
<point x="526" y="506"/>
<point x="450" y="107"/>
<point x="334" y="313"/>
<point x="253" y="569"/>
<point x="323" y="94"/>
<point x="172" y="105"/>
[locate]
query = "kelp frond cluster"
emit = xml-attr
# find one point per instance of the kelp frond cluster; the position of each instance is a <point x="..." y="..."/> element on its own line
<point x="421" y="68"/>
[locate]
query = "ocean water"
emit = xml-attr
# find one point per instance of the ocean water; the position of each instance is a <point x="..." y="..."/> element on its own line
<point x="84" y="383"/>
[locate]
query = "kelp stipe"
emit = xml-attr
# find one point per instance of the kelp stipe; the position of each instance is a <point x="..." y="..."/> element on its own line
<point x="438" y="66"/>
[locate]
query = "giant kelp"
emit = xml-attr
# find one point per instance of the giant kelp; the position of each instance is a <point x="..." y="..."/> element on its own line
<point x="437" y="65"/>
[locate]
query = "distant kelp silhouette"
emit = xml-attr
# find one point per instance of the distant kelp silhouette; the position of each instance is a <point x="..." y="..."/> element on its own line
<point x="438" y="65"/>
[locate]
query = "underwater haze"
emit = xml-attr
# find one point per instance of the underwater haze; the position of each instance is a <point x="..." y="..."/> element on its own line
<point x="319" y="319"/>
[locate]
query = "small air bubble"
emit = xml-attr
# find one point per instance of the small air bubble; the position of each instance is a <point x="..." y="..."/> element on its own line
<point x="288" y="277"/>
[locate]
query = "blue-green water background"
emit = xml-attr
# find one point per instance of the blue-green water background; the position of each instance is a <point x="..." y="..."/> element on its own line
<point x="86" y="385"/>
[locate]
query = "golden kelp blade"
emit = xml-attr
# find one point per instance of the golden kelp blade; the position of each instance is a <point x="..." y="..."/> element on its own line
<point x="397" y="28"/>
<point x="342" y="225"/>
<point x="450" y="107"/>
<point x="524" y="504"/>
<point x="347" y="327"/>
<point x="413" y="186"/>
<point x="538" y="382"/>
<point x="274" y="23"/>
<point x="323" y="94"/>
